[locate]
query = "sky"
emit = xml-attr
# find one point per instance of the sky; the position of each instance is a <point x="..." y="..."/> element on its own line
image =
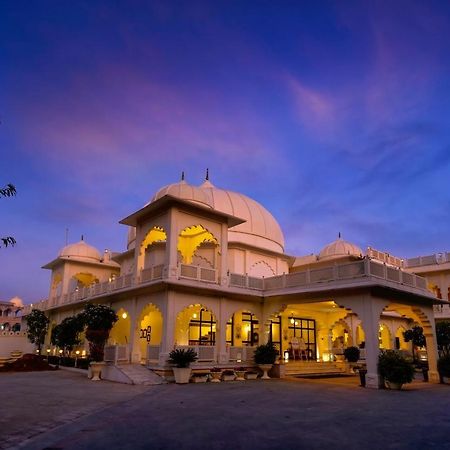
<point x="333" y="115"/>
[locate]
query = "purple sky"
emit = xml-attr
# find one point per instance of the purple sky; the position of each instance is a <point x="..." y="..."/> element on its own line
<point x="333" y="115"/>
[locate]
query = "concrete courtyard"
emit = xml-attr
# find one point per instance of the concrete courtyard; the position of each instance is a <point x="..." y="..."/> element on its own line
<point x="64" y="410"/>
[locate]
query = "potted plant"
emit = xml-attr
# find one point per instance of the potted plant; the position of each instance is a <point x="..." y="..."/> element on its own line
<point x="215" y="374"/>
<point x="182" y="359"/>
<point x="265" y="357"/>
<point x="240" y="373"/>
<point x="228" y="375"/>
<point x="251" y="374"/>
<point x="351" y="354"/>
<point x="395" y="369"/>
<point x="200" y="377"/>
<point x="98" y="319"/>
<point x="443" y="366"/>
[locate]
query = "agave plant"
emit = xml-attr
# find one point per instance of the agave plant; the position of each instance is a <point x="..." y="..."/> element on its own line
<point x="182" y="357"/>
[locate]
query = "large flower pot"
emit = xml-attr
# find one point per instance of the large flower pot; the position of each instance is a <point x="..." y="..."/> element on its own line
<point x="182" y="374"/>
<point x="265" y="368"/>
<point x="215" y="377"/>
<point x="394" y="386"/>
<point x="96" y="370"/>
<point x="240" y="375"/>
<point x="251" y="375"/>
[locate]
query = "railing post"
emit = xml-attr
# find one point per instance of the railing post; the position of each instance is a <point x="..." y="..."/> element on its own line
<point x="308" y="276"/>
<point x="384" y="271"/>
<point x="367" y="266"/>
<point x="400" y="278"/>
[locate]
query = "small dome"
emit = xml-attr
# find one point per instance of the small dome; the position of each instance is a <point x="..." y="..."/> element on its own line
<point x="131" y="238"/>
<point x="17" y="302"/>
<point x="80" y="251"/>
<point x="184" y="191"/>
<point x="339" y="249"/>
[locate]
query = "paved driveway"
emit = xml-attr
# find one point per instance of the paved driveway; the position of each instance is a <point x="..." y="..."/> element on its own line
<point x="285" y="414"/>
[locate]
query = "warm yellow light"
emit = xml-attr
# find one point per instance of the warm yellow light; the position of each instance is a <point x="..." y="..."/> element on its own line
<point x="190" y="239"/>
<point x="292" y="321"/>
<point x="77" y="352"/>
<point x="37" y="351"/>
<point x="194" y="315"/>
<point x="48" y="350"/>
<point x="286" y="356"/>
<point x="296" y="323"/>
<point x="60" y="351"/>
<point x="124" y="315"/>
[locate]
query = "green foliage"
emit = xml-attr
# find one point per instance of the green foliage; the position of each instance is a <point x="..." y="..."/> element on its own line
<point x="182" y="357"/>
<point x="443" y="366"/>
<point x="393" y="367"/>
<point x="66" y="335"/>
<point x="98" y="317"/>
<point x="443" y="337"/>
<point x="416" y="336"/>
<point x="351" y="354"/>
<point x="266" y="353"/>
<point x="8" y="191"/>
<point x="37" y="327"/>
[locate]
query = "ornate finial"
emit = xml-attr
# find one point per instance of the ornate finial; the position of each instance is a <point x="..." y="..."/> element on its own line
<point x="207" y="174"/>
<point x="82" y="237"/>
<point x="339" y="235"/>
<point x="182" y="175"/>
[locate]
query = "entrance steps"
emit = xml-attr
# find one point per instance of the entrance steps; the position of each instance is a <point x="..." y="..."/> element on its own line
<point x="138" y="374"/>
<point x="315" y="369"/>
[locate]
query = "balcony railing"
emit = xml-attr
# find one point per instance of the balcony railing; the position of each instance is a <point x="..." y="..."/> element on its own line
<point x="349" y="272"/>
<point x="343" y="272"/>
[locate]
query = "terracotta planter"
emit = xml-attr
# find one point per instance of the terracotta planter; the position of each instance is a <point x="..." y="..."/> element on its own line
<point x="96" y="370"/>
<point x="200" y="379"/>
<point x="251" y="375"/>
<point x="240" y="375"/>
<point x="215" y="377"/>
<point x="265" y="368"/>
<point x="182" y="374"/>
<point x="228" y="377"/>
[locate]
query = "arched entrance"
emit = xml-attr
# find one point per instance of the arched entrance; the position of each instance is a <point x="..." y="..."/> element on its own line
<point x="196" y="325"/>
<point x="120" y="332"/>
<point x="150" y="328"/>
<point x="385" y="342"/>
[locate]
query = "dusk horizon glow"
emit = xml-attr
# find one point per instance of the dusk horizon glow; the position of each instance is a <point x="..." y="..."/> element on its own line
<point x="334" y="116"/>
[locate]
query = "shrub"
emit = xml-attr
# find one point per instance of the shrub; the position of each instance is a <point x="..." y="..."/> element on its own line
<point x="266" y="353"/>
<point x="444" y="366"/>
<point x="351" y="354"/>
<point x="393" y="367"/>
<point x="182" y="357"/>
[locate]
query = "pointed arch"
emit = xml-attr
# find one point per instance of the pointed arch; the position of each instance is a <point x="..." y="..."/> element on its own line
<point x="191" y="238"/>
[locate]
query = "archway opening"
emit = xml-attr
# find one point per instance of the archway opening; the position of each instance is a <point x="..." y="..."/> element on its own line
<point x="199" y="243"/>
<point x="242" y="329"/>
<point x="120" y="332"/>
<point x="384" y="337"/>
<point x="150" y="328"/>
<point x="196" y="325"/>
<point x="153" y="247"/>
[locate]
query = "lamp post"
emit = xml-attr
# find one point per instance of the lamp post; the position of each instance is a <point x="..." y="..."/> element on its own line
<point x="77" y="353"/>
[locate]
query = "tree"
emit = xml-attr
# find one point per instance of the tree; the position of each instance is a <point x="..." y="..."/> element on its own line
<point x="416" y="336"/>
<point x="66" y="335"/>
<point x="8" y="191"/>
<point x="99" y="319"/>
<point x="443" y="338"/>
<point x="37" y="327"/>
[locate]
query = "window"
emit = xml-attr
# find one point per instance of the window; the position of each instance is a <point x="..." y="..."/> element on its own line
<point x="250" y="326"/>
<point x="202" y="330"/>
<point x="305" y="329"/>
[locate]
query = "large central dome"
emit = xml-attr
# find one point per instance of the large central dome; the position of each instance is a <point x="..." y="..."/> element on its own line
<point x="260" y="228"/>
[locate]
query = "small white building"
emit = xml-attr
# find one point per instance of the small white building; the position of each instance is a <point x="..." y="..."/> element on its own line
<point x="206" y="267"/>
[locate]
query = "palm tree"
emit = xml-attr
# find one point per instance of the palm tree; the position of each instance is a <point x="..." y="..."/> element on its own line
<point x="8" y="191"/>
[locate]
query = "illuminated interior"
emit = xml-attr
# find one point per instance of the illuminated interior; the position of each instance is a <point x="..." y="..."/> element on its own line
<point x="149" y="328"/>
<point x="156" y="234"/>
<point x="402" y="344"/>
<point x="190" y="240"/>
<point x="120" y="332"/>
<point x="196" y="325"/>
<point x="85" y="279"/>
<point x="385" y="337"/>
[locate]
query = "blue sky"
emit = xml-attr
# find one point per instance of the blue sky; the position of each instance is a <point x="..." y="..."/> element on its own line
<point x="334" y="115"/>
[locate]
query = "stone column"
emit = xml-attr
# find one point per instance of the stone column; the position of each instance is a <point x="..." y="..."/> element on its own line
<point x="221" y="333"/>
<point x="369" y="309"/>
<point x="135" y="332"/>
<point x="429" y="331"/>
<point x="168" y="334"/>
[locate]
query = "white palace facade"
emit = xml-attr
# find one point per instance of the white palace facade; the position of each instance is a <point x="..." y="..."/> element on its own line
<point x="206" y="267"/>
